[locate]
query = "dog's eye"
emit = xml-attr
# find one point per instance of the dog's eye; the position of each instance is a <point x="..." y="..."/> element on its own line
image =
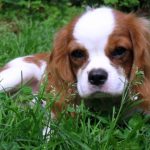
<point x="78" y="54"/>
<point x="119" y="52"/>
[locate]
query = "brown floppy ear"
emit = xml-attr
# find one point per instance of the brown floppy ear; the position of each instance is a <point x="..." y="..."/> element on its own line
<point x="60" y="74"/>
<point x="59" y="64"/>
<point x="59" y="60"/>
<point x="140" y="36"/>
<point x="59" y="70"/>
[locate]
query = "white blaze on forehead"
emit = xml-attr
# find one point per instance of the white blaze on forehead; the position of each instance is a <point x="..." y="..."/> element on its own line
<point x="94" y="27"/>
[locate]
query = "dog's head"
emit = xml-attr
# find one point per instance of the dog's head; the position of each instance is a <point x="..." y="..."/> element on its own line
<point x="100" y="50"/>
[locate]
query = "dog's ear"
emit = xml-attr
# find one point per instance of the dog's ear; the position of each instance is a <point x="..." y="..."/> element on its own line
<point x="59" y="71"/>
<point x="60" y="56"/>
<point x="140" y="35"/>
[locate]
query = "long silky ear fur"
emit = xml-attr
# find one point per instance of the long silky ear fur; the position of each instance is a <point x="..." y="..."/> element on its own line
<point x="60" y="58"/>
<point x="140" y="36"/>
<point x="60" y="74"/>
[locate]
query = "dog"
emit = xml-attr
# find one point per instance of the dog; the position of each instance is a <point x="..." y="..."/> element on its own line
<point x="97" y="53"/>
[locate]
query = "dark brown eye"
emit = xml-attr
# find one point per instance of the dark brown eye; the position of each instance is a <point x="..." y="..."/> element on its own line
<point x="79" y="54"/>
<point x="119" y="52"/>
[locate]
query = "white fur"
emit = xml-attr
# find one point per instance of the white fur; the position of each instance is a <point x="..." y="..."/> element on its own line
<point x="92" y="31"/>
<point x="19" y="72"/>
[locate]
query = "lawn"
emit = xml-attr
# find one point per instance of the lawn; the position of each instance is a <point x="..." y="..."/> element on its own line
<point x="25" y="32"/>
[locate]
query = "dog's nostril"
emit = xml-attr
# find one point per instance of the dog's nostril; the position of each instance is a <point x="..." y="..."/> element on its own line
<point x="97" y="76"/>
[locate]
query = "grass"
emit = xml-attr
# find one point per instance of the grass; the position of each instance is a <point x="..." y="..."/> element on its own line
<point x="21" y="125"/>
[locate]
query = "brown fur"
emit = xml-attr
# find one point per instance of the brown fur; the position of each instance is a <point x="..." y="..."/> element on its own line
<point x="59" y="70"/>
<point x="36" y="59"/>
<point x="140" y="35"/>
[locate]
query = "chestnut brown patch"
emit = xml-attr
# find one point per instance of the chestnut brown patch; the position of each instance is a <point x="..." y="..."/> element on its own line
<point x="36" y="59"/>
<point x="120" y="49"/>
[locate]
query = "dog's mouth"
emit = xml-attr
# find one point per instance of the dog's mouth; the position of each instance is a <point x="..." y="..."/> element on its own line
<point x="100" y="95"/>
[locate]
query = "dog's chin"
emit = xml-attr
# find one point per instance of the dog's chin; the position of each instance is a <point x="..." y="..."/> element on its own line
<point x="101" y="101"/>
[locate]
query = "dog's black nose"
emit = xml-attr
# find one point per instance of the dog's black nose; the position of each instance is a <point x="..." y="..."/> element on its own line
<point x="97" y="76"/>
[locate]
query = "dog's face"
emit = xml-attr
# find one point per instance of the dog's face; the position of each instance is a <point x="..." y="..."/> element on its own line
<point x="107" y="51"/>
<point x="100" y="50"/>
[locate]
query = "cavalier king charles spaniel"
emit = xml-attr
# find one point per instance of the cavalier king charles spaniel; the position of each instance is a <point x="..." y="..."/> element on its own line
<point x="97" y="53"/>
